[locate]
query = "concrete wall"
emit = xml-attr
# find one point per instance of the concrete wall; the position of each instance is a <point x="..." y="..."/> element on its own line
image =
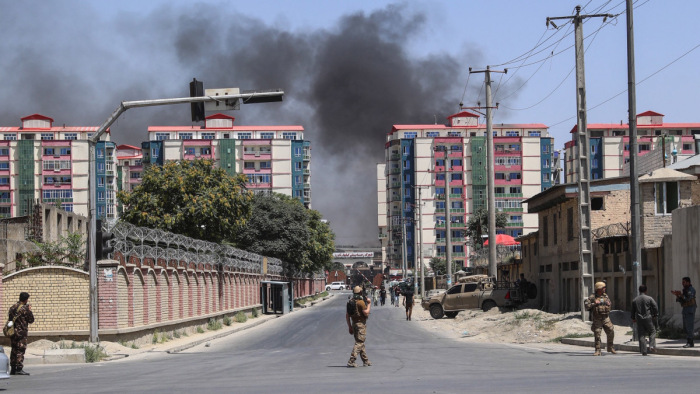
<point x="684" y="261"/>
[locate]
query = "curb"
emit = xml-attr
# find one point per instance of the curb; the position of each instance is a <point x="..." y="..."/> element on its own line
<point x="634" y="348"/>
<point x="192" y="344"/>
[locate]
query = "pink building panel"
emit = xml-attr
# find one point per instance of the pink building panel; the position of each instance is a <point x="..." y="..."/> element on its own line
<point x="265" y="142"/>
<point x="259" y="156"/>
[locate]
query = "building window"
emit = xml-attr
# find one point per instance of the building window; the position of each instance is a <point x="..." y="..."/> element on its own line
<point x="297" y="166"/>
<point x="545" y="231"/>
<point x="205" y="151"/>
<point x="454" y="133"/>
<point x="208" y="136"/>
<point x="186" y="136"/>
<point x="667" y="195"/>
<point x="432" y="134"/>
<point x="249" y="165"/>
<point x="265" y="164"/>
<point x="534" y="133"/>
<point x="4" y="166"/>
<point x="70" y="136"/>
<point x="512" y="133"/>
<point x="4" y="151"/>
<point x="297" y="151"/>
<point x="597" y="204"/>
<point x="189" y="151"/>
<point x="410" y="135"/>
<point x="5" y="180"/>
<point x="100" y="181"/>
<point x="289" y="136"/>
<point x="456" y="163"/>
<point x="162" y="136"/>
<point x="49" y="151"/>
<point x="570" y="224"/>
<point x="135" y="175"/>
<point x="644" y="147"/>
<point x="65" y="151"/>
<point x="100" y="196"/>
<point x="245" y="136"/>
<point x="154" y="153"/>
<point x="46" y="136"/>
<point x="10" y="137"/>
<point x="100" y="153"/>
<point x="267" y="136"/>
<point x="406" y="164"/>
<point x="298" y="180"/>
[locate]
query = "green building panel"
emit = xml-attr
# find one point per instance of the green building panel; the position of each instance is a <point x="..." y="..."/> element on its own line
<point x="26" y="176"/>
<point x="227" y="155"/>
<point x="479" y="172"/>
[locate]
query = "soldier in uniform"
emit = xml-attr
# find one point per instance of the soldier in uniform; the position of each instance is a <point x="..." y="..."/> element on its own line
<point x="688" y="303"/>
<point x="24" y="316"/>
<point x="599" y="305"/>
<point x="358" y="328"/>
<point x="644" y="312"/>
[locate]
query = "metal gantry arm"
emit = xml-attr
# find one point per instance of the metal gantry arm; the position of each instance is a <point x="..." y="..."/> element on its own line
<point x="123" y="106"/>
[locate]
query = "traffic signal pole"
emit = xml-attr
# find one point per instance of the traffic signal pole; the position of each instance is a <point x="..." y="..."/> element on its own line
<point x="253" y="97"/>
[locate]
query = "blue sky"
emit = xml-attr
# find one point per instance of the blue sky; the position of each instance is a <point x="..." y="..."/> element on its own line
<point x="350" y="70"/>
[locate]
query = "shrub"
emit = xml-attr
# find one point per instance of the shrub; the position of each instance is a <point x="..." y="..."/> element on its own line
<point x="227" y="320"/>
<point x="154" y="340"/>
<point x="254" y="313"/>
<point x="213" y="325"/>
<point x="200" y="330"/>
<point x="176" y="334"/>
<point x="240" y="317"/>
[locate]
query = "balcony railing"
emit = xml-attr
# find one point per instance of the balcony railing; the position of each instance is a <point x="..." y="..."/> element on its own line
<point x="394" y="170"/>
<point x="394" y="156"/>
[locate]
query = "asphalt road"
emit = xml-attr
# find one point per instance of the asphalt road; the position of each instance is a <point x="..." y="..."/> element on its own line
<point x="306" y="352"/>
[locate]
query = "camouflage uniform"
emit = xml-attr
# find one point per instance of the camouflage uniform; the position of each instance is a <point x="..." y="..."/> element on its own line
<point x="359" y="327"/>
<point x="600" y="319"/>
<point x="19" y="340"/>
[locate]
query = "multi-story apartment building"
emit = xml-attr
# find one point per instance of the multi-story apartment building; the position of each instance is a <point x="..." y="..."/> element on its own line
<point x="610" y="145"/>
<point x="129" y="168"/>
<point x="447" y="163"/>
<point x="47" y="163"/>
<point x="274" y="158"/>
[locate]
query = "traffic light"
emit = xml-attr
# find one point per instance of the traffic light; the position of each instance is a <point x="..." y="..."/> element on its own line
<point x="197" y="90"/>
<point x="103" y="246"/>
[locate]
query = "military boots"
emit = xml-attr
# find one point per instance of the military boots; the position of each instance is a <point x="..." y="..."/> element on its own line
<point x="597" y="352"/>
<point x="611" y="349"/>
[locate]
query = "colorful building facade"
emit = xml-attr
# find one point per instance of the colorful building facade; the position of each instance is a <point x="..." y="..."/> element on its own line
<point x="47" y="163"/>
<point x="610" y="146"/>
<point x="446" y="164"/>
<point x="273" y="158"/>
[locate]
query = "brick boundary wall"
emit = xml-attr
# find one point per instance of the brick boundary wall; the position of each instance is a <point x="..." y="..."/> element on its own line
<point x="60" y="297"/>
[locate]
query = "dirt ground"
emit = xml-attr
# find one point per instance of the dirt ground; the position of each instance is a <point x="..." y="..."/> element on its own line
<point x="506" y="326"/>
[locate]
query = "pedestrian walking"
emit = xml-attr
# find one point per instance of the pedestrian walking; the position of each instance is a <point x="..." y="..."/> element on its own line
<point x="397" y="293"/>
<point x="599" y="305"/>
<point x="21" y="314"/>
<point x="382" y="295"/>
<point x="408" y="303"/>
<point x="358" y="327"/>
<point x="644" y="311"/>
<point x="687" y="300"/>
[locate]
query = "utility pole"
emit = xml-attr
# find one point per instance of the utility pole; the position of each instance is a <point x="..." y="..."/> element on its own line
<point x="448" y="221"/>
<point x="249" y="98"/>
<point x="491" y="173"/>
<point x="420" y="246"/>
<point x="583" y="159"/>
<point x="634" y="180"/>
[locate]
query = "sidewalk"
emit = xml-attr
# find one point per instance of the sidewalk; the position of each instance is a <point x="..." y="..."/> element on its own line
<point x="35" y="354"/>
<point x="666" y="347"/>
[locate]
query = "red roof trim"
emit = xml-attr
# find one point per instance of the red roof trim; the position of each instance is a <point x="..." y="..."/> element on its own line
<point x="35" y="117"/>
<point x="220" y="116"/>
<point x="650" y="113"/>
<point x="464" y="113"/>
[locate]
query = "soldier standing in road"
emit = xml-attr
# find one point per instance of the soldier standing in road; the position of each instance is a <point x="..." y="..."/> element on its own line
<point x="644" y="310"/>
<point x="22" y="314"/>
<point x="687" y="300"/>
<point x="599" y="305"/>
<point x="358" y="328"/>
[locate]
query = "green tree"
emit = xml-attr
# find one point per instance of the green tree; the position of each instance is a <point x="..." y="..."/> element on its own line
<point x="439" y="266"/>
<point x="69" y="251"/>
<point x="478" y="225"/>
<point x="191" y="198"/>
<point x="281" y="227"/>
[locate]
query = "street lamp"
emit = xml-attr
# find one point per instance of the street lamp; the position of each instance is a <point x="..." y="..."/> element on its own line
<point x="248" y="97"/>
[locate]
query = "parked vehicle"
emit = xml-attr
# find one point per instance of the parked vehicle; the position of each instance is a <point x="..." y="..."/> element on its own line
<point x="4" y="365"/>
<point x="475" y="292"/>
<point x="335" y="286"/>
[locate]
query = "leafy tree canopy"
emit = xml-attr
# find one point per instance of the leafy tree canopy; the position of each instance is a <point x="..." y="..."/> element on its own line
<point x="439" y="266"/>
<point x="191" y="198"/>
<point x="478" y="225"/>
<point x="282" y="227"/>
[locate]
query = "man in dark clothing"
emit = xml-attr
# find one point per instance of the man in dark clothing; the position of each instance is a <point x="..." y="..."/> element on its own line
<point x="644" y="310"/>
<point x="21" y="313"/>
<point x="382" y="295"/>
<point x="408" y="303"/>
<point x="687" y="300"/>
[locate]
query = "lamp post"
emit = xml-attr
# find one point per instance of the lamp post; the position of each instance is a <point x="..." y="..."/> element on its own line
<point x="253" y="97"/>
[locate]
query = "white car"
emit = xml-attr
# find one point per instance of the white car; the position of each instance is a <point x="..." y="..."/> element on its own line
<point x="335" y="286"/>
